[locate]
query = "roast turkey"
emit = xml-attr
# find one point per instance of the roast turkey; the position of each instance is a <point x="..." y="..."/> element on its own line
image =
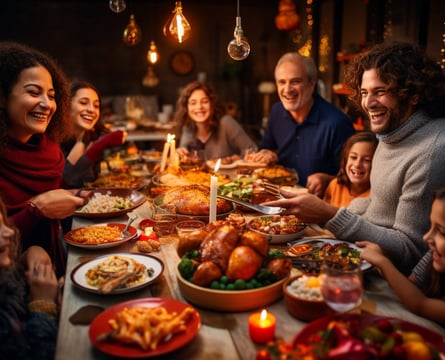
<point x="192" y="200"/>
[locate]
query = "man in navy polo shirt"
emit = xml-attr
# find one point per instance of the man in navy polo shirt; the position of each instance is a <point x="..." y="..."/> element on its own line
<point x="304" y="132"/>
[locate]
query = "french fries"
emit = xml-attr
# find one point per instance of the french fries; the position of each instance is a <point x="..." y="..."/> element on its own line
<point x="147" y="327"/>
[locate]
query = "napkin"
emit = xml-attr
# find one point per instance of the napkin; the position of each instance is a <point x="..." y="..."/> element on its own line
<point x="85" y="315"/>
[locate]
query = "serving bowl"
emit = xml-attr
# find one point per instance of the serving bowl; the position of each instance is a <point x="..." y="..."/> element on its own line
<point x="230" y="300"/>
<point x="304" y="308"/>
<point x="278" y="229"/>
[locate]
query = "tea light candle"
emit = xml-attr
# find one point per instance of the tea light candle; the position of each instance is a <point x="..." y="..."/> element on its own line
<point x="213" y="192"/>
<point x="262" y="327"/>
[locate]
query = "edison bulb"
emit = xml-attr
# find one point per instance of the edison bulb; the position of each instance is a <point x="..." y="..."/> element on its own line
<point x="132" y="33"/>
<point x="117" y="6"/>
<point x="177" y="26"/>
<point x="238" y="49"/>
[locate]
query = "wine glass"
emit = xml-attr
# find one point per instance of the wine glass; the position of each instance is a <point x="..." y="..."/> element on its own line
<point x="341" y="285"/>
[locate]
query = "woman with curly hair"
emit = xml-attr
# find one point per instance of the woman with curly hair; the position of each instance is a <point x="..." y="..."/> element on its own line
<point x="34" y="120"/>
<point x="203" y="124"/>
<point x="402" y="91"/>
<point x="29" y="294"/>
<point x="353" y="178"/>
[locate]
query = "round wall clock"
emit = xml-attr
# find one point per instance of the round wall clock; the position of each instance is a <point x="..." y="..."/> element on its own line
<point x="182" y="62"/>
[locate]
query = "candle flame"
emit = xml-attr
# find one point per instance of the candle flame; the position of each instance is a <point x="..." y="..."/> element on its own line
<point x="263" y="315"/>
<point x="217" y="165"/>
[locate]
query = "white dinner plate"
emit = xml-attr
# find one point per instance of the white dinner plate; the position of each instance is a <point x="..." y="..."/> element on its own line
<point x="152" y="263"/>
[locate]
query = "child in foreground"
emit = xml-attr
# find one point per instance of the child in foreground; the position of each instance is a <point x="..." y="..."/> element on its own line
<point x="423" y="292"/>
<point x="353" y="178"/>
<point x="28" y="295"/>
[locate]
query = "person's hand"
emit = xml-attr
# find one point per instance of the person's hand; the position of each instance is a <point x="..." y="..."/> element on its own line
<point x="43" y="284"/>
<point x="115" y="138"/>
<point x="57" y="204"/>
<point x="372" y="253"/>
<point x="36" y="255"/>
<point x="307" y="207"/>
<point x="317" y="183"/>
<point x="264" y="156"/>
<point x="182" y="152"/>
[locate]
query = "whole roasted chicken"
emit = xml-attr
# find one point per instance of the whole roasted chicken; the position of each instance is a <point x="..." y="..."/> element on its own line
<point x="193" y="200"/>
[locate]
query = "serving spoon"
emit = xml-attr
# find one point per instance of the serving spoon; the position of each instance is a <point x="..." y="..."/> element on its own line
<point x="125" y="233"/>
<point x="268" y="210"/>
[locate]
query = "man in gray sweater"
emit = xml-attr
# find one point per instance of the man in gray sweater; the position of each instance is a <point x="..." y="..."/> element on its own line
<point x="403" y="93"/>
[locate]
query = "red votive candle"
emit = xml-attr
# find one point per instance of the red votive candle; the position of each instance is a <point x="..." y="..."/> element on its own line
<point x="262" y="327"/>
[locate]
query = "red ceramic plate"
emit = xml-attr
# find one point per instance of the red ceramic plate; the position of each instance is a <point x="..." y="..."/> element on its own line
<point x="434" y="339"/>
<point x="101" y="245"/>
<point x="100" y="326"/>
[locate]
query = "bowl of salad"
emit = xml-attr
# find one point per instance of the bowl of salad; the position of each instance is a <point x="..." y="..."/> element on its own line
<point x="278" y="228"/>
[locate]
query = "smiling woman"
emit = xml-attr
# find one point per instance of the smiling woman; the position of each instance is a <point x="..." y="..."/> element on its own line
<point x="34" y="103"/>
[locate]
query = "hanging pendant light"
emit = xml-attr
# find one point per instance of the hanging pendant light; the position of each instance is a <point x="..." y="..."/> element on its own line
<point x="152" y="54"/>
<point x="177" y="26"/>
<point x="132" y="33"/>
<point x="239" y="47"/>
<point x="117" y="6"/>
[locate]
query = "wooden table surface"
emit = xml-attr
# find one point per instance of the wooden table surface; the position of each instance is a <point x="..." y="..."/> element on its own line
<point x="222" y="335"/>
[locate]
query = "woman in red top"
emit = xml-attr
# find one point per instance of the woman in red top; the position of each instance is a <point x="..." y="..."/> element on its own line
<point x="34" y="119"/>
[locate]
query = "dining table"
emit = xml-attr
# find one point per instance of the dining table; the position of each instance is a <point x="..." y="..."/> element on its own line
<point x="222" y="335"/>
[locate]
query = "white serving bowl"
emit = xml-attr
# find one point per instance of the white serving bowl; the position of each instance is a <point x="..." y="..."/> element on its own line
<point x="277" y="238"/>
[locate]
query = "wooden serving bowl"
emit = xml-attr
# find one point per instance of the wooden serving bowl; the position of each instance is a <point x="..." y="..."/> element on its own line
<point x="301" y="308"/>
<point x="229" y="300"/>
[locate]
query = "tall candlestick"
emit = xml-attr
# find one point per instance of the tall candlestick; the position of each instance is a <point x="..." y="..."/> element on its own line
<point x="172" y="150"/>
<point x="213" y="193"/>
<point x="165" y="155"/>
<point x="262" y="327"/>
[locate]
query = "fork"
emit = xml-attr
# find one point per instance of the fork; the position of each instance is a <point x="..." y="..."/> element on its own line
<point x="268" y="210"/>
<point x="125" y="233"/>
<point x="272" y="189"/>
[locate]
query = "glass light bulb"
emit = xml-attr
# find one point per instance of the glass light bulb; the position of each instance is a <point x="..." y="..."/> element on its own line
<point x="239" y="47"/>
<point x="152" y="54"/>
<point x="177" y="25"/>
<point x="151" y="79"/>
<point x="132" y="33"/>
<point x="117" y="6"/>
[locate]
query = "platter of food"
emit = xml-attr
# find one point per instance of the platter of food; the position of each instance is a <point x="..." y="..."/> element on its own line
<point x="99" y="236"/>
<point x="278" y="175"/>
<point x="364" y="336"/>
<point x="308" y="254"/>
<point x="110" y="202"/>
<point x="180" y="321"/>
<point x="117" y="273"/>
<point x="279" y="229"/>
<point x="121" y="180"/>
<point x="228" y="269"/>
<point x="193" y="201"/>
<point x="235" y="163"/>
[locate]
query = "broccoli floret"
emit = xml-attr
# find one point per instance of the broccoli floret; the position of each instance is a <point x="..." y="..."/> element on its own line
<point x="276" y="254"/>
<point x="186" y="267"/>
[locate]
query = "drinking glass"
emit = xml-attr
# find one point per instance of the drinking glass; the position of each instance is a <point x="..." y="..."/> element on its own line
<point x="164" y="219"/>
<point x="341" y="285"/>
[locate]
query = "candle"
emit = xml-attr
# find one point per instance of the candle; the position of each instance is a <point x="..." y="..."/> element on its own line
<point x="172" y="150"/>
<point x="262" y="327"/>
<point x="165" y="154"/>
<point x="213" y="192"/>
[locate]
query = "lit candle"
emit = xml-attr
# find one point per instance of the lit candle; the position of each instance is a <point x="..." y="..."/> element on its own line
<point x="213" y="192"/>
<point x="172" y="150"/>
<point x="262" y="327"/>
<point x="165" y="153"/>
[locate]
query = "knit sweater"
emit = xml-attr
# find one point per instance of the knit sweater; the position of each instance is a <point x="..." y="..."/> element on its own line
<point x="407" y="167"/>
